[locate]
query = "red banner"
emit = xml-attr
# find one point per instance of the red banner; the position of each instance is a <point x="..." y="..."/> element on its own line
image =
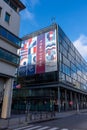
<point x="40" y="62"/>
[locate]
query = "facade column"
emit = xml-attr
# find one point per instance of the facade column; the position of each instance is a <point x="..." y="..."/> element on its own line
<point x="75" y="101"/>
<point x="71" y="99"/>
<point x="7" y="100"/>
<point x="79" y="100"/>
<point x="86" y="101"/>
<point x="59" y="104"/>
<point x="66" y="107"/>
<point x="82" y="101"/>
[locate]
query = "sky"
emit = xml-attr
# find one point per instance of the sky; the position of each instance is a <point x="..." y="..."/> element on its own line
<point x="71" y="15"/>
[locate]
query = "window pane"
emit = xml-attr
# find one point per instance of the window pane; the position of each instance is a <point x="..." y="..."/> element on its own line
<point x="7" y="17"/>
<point x="9" y="56"/>
<point x="6" y="34"/>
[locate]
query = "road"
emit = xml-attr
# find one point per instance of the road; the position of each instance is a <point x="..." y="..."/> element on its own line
<point x="74" y="122"/>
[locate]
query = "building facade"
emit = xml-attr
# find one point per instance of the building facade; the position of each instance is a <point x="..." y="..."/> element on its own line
<point x="9" y="57"/>
<point x="52" y="73"/>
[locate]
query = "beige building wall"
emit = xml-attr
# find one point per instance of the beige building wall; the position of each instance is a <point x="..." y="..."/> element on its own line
<point x="7" y="46"/>
<point x="14" y="24"/>
<point x="6" y="109"/>
<point x="7" y="70"/>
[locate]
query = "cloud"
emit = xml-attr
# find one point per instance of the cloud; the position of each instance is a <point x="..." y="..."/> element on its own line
<point x="27" y="15"/>
<point x="30" y="3"/>
<point x="34" y="2"/>
<point x="81" y="45"/>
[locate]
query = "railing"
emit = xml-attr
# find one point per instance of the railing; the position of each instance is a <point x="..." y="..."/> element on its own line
<point x="39" y="116"/>
<point x="9" y="36"/>
<point x="30" y="117"/>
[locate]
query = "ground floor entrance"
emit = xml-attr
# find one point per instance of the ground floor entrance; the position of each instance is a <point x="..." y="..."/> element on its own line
<point x="47" y="99"/>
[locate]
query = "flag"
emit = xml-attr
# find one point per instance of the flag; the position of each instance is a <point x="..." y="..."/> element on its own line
<point x="32" y="59"/>
<point x="32" y="51"/>
<point x="18" y="86"/>
<point x="30" y="69"/>
<point x="24" y="53"/>
<point x="15" y="85"/>
<point x="24" y="61"/>
<point x="50" y="35"/>
<point x="22" y="71"/>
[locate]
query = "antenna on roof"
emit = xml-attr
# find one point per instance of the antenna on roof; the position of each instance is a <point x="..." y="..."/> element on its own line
<point x="53" y="20"/>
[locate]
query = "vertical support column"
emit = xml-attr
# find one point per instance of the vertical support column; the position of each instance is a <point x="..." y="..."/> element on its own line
<point x="7" y="100"/>
<point x="71" y="100"/>
<point x="82" y="101"/>
<point x="79" y="100"/>
<point x="59" y="105"/>
<point x="66" y="107"/>
<point x="75" y="101"/>
<point x="86" y="101"/>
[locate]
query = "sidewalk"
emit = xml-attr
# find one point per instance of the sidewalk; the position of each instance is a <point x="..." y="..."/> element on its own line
<point x="22" y="120"/>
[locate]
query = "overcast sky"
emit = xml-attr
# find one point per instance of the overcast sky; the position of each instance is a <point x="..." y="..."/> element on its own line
<point x="71" y="15"/>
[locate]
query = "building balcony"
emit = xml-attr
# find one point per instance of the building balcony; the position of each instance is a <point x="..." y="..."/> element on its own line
<point x="9" y="37"/>
<point x="16" y="5"/>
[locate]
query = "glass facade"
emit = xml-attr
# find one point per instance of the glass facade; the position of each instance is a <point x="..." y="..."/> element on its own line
<point x="72" y="66"/>
<point x="61" y="90"/>
<point x="5" y="55"/>
<point x="9" y="36"/>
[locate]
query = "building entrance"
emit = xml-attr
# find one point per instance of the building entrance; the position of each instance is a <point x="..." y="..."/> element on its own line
<point x="48" y="99"/>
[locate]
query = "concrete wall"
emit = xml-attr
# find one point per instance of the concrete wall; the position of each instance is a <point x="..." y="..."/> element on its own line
<point x="14" y="24"/>
<point x="7" y="100"/>
<point x="8" y="46"/>
<point x="7" y="69"/>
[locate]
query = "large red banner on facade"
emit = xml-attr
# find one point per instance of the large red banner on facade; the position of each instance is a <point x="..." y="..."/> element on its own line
<point x="40" y="62"/>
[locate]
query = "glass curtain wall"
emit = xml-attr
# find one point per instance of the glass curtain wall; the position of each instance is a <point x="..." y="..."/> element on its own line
<point x="72" y="66"/>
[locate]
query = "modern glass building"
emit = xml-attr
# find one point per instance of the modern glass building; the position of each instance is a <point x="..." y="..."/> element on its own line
<point x="52" y="73"/>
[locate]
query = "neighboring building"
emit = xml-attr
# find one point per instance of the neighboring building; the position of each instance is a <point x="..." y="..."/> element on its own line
<point x="52" y="73"/>
<point x="9" y="44"/>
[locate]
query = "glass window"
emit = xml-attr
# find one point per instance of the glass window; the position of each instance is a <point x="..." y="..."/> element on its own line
<point x="66" y="61"/>
<point x="7" y="17"/>
<point x="61" y="56"/>
<point x="61" y="76"/>
<point x="64" y="51"/>
<point x="61" y="67"/>
<point x="9" y="56"/>
<point x="79" y="78"/>
<point x="73" y="67"/>
<point x="3" y="32"/>
<point x="65" y="45"/>
<point x="7" y="1"/>
<point x="6" y="34"/>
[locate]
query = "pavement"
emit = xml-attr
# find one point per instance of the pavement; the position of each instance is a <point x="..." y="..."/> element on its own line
<point x="22" y="120"/>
